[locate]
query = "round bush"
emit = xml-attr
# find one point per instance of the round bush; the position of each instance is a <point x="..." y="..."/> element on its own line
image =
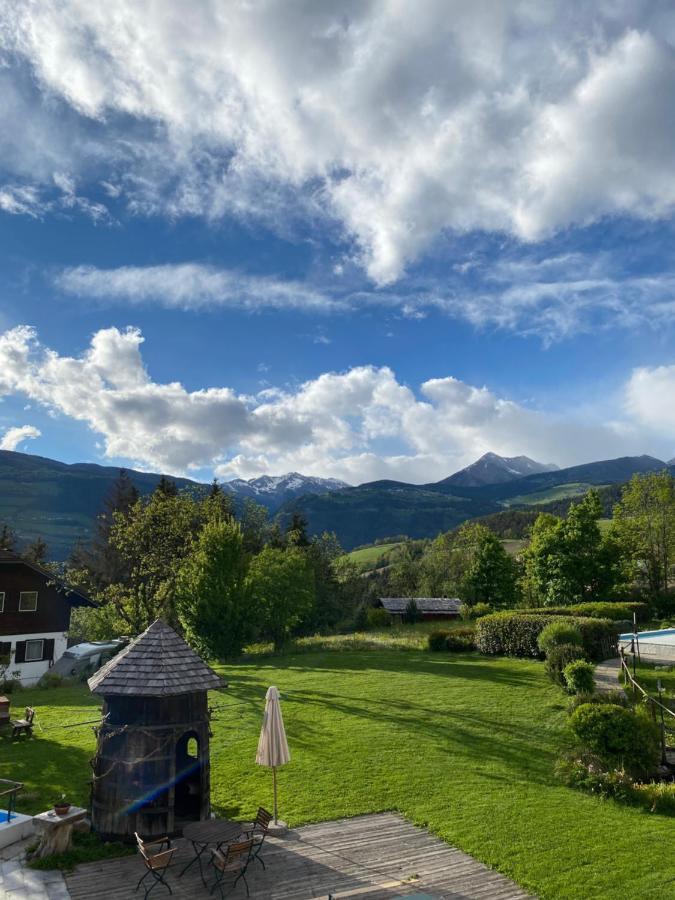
<point x="556" y="633"/>
<point x="618" y="736"/>
<point x="458" y="643"/>
<point x="559" y="657"/>
<point x="578" y="676"/>
<point x="378" y="617"/>
<point x="437" y="640"/>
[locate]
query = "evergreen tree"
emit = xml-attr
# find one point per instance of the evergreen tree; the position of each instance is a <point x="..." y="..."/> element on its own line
<point x="7" y="537"/>
<point x="167" y="487"/>
<point x="296" y="533"/>
<point x="211" y="591"/>
<point x="36" y="551"/>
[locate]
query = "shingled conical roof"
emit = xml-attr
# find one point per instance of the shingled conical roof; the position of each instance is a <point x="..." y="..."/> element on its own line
<point x="158" y="663"/>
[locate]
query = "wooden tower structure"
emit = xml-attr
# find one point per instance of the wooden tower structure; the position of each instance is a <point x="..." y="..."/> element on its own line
<point x="151" y="771"/>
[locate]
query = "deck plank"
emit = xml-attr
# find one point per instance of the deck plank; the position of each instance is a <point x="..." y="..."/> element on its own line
<point x="372" y="857"/>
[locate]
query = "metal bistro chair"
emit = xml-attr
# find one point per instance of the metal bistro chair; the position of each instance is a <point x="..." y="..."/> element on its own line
<point x="156" y="864"/>
<point x="234" y="861"/>
<point x="25" y="725"/>
<point x="258" y="833"/>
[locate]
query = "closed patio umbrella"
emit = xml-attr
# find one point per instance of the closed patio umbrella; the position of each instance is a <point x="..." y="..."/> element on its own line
<point x="272" y="746"/>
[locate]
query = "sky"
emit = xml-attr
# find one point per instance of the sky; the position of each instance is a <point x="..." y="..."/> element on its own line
<point x="352" y="239"/>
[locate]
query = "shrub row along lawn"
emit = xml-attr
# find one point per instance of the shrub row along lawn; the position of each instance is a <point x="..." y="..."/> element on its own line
<point x="462" y="744"/>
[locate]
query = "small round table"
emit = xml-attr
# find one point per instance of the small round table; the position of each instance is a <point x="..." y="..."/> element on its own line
<point x="211" y="831"/>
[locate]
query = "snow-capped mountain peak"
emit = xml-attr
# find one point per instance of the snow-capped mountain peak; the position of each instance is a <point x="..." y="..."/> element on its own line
<point x="274" y="490"/>
<point x="494" y="469"/>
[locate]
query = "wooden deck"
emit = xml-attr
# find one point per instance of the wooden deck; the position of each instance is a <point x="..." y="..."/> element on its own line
<point x="367" y="858"/>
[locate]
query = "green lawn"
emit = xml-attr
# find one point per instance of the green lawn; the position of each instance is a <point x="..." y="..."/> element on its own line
<point x="366" y="556"/>
<point x="647" y="675"/>
<point x="558" y="492"/>
<point x="460" y="743"/>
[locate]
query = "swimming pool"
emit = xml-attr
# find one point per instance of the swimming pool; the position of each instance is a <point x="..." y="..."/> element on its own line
<point x="654" y="645"/>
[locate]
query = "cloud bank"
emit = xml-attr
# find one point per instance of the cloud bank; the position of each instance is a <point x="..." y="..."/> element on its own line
<point x="13" y="437"/>
<point x="357" y="425"/>
<point x="401" y="125"/>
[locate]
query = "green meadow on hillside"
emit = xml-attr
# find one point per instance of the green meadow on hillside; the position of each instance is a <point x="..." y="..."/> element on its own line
<point x="462" y="744"/>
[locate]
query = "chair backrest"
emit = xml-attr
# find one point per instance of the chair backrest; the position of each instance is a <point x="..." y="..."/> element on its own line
<point x="237" y="854"/>
<point x="262" y="819"/>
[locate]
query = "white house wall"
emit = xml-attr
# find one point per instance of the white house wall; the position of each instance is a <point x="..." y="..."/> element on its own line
<point x="29" y="673"/>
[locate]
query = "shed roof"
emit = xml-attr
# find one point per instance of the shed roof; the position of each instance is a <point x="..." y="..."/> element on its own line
<point x="158" y="663"/>
<point x="397" y="605"/>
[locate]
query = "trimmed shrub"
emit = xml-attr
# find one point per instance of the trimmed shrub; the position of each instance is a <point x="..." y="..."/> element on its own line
<point x="457" y="642"/>
<point x="578" y="676"/>
<point x="620" y="611"/>
<point x="619" y="737"/>
<point x="50" y="680"/>
<point x="475" y="611"/>
<point x="559" y="658"/>
<point x="437" y="640"/>
<point x="615" y="698"/>
<point x="378" y="617"/>
<point x="516" y="633"/>
<point x="556" y="633"/>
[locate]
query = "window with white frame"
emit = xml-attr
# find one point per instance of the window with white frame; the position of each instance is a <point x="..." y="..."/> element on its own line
<point x="2" y="601"/>
<point x="34" y="650"/>
<point x="28" y="601"/>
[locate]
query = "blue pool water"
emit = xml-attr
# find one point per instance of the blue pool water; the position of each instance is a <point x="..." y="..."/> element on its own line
<point x="4" y="816"/>
<point x="664" y="636"/>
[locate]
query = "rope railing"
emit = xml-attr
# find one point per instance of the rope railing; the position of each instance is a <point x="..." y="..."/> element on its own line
<point x="652" y="704"/>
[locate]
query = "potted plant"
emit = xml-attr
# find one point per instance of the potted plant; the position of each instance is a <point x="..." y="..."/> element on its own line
<point x="61" y="806"/>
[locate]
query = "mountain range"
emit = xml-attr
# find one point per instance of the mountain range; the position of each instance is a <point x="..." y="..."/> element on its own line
<point x="60" y="502"/>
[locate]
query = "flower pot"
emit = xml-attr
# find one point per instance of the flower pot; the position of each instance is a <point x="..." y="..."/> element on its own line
<point x="61" y="809"/>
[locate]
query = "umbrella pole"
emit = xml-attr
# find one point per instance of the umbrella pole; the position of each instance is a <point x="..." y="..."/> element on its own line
<point x="274" y="778"/>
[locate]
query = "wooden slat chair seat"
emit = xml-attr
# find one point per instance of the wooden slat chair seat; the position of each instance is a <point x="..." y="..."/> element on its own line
<point x="156" y="864"/>
<point x="25" y="725"/>
<point x="233" y="862"/>
<point x="258" y="832"/>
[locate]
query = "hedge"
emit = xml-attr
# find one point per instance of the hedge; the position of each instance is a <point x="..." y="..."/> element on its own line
<point x="617" y="612"/>
<point x="516" y="633"/>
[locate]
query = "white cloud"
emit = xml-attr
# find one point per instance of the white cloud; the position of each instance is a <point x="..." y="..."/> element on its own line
<point x="551" y="297"/>
<point x="13" y="437"/>
<point x="402" y="123"/>
<point x="191" y="286"/>
<point x="358" y="425"/>
<point x="649" y="399"/>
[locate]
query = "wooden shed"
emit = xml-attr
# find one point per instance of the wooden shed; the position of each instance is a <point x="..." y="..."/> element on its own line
<point x="151" y="770"/>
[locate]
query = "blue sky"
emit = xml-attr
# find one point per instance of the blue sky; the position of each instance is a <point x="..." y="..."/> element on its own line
<point x="330" y="239"/>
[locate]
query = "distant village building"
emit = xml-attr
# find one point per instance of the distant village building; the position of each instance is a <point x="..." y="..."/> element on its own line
<point x="427" y="607"/>
<point x="151" y="771"/>
<point x="35" y="612"/>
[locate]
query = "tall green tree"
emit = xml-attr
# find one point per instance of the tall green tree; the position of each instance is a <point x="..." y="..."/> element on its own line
<point x="212" y="596"/>
<point x="570" y="560"/>
<point x="99" y="564"/>
<point x="469" y="563"/>
<point x="282" y="591"/>
<point x="644" y="525"/>
<point x="152" y="539"/>
<point x="489" y="573"/>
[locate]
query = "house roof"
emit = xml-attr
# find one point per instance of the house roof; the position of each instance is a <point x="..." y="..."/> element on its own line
<point x="439" y="605"/>
<point x="158" y="663"/>
<point x="74" y="596"/>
